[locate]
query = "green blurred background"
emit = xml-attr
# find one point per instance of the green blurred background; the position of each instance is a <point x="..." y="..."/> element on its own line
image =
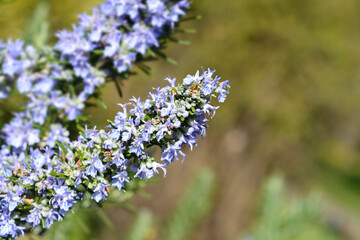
<point x="282" y="154"/>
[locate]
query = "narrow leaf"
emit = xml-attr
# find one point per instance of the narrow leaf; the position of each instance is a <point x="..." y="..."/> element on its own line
<point x="37" y="30"/>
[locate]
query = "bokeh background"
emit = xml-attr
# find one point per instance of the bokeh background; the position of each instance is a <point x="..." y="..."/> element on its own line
<point x="281" y="159"/>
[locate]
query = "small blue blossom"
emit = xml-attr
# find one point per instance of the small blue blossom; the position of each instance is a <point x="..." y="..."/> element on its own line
<point x="144" y="172"/>
<point x="11" y="200"/>
<point x="57" y="133"/>
<point x="94" y="166"/>
<point x="100" y="192"/>
<point x="120" y="179"/>
<point x="222" y="91"/>
<point x="171" y="152"/>
<point x="34" y="217"/>
<point x="51" y="216"/>
<point x="63" y="199"/>
<point x="112" y="46"/>
<point x="8" y="228"/>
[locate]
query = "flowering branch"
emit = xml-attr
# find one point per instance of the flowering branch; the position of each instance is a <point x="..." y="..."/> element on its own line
<point x="58" y="81"/>
<point x="43" y="186"/>
<point x="42" y="172"/>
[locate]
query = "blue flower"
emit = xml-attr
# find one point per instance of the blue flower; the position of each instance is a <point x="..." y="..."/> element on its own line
<point x="63" y="199"/>
<point x="14" y="49"/>
<point x="57" y="133"/>
<point x="112" y="46"/>
<point x="170" y="108"/>
<point x="43" y="84"/>
<point x="141" y="38"/>
<point x="51" y="216"/>
<point x="155" y="165"/>
<point x="120" y="179"/>
<point x="12" y="66"/>
<point x="137" y="147"/>
<point x="192" y="79"/>
<point x="144" y="172"/>
<point x="130" y="7"/>
<point x="20" y="133"/>
<point x="100" y="192"/>
<point x="171" y="152"/>
<point x="8" y="228"/>
<point x="11" y="200"/>
<point x="178" y="116"/>
<point x="223" y="92"/>
<point x="129" y="128"/>
<point x="74" y="106"/>
<point x="37" y="109"/>
<point x="24" y="83"/>
<point x="59" y="81"/>
<point x="34" y="217"/>
<point x="94" y="166"/>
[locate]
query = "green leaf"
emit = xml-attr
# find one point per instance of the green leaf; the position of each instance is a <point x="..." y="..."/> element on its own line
<point x="101" y="102"/>
<point x="283" y="218"/>
<point x="61" y="146"/>
<point x="197" y="17"/>
<point x="142" y="226"/>
<point x="106" y="220"/>
<point x="192" y="31"/>
<point x="163" y="55"/>
<point x="98" y="52"/>
<point x="178" y="41"/>
<point x="43" y="222"/>
<point x="83" y="225"/>
<point x="37" y="29"/>
<point x="112" y="124"/>
<point x="147" y="117"/>
<point x="72" y="90"/>
<point x="118" y="88"/>
<point x="147" y="70"/>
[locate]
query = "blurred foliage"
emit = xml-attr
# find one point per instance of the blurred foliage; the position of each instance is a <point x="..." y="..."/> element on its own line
<point x="192" y="208"/>
<point x="6" y="1"/>
<point x="37" y="29"/>
<point x="142" y="227"/>
<point x="189" y="212"/>
<point x="284" y="219"/>
<point x="80" y="226"/>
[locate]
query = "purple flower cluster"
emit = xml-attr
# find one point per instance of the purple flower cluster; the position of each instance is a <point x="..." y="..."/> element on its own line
<point x="41" y="187"/>
<point x="42" y="173"/>
<point x="58" y="81"/>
